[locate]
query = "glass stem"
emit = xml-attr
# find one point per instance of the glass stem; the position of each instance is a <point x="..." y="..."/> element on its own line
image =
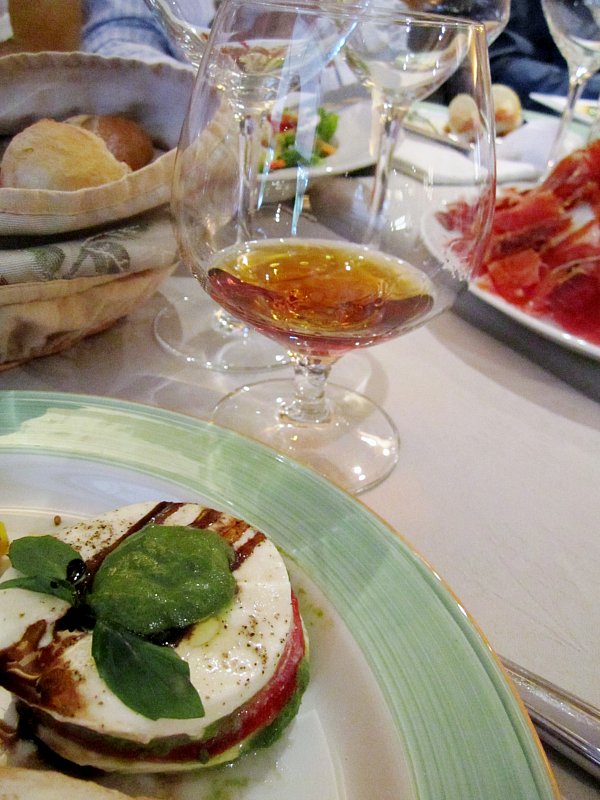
<point x="391" y="118"/>
<point x="594" y="133"/>
<point x="248" y="141"/>
<point x="310" y="404"/>
<point x="576" y="86"/>
<point x="248" y="144"/>
<point x="228" y="325"/>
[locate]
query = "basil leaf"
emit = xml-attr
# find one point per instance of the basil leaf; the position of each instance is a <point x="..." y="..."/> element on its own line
<point x="163" y="577"/>
<point x="43" y="561"/>
<point x="150" y="679"/>
<point x="43" y="556"/>
<point x="44" y="585"/>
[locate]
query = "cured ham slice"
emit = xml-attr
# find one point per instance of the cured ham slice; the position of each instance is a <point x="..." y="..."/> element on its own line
<point x="544" y="250"/>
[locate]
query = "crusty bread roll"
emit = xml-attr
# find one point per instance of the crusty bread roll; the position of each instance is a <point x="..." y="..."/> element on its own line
<point x="27" y="784"/>
<point x="507" y="108"/>
<point x="58" y="156"/>
<point x="463" y="115"/>
<point x="124" y="137"/>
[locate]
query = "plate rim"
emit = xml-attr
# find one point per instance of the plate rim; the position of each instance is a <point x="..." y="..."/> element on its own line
<point x="543" y="327"/>
<point x="430" y="779"/>
<point x="557" y="102"/>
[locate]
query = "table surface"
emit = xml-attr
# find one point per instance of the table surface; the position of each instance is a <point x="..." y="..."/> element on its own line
<point x="497" y="480"/>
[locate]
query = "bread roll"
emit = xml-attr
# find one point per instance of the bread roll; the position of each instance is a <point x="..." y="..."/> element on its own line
<point x="124" y="137"/>
<point x="507" y="108"/>
<point x="27" y="784"/>
<point x="58" y="156"/>
<point x="463" y="115"/>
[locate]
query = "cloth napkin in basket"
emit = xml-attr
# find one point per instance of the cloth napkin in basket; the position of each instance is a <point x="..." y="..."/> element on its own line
<point x="137" y="244"/>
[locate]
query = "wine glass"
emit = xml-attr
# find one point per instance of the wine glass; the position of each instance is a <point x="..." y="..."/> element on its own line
<point x="493" y="14"/>
<point x="400" y="64"/>
<point x="426" y="67"/>
<point x="192" y="327"/>
<point x="186" y="24"/>
<point x="299" y="270"/>
<point x="575" y="29"/>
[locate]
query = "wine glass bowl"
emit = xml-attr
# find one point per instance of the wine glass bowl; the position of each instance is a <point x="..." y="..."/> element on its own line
<point x="401" y="63"/>
<point x="284" y="266"/>
<point x="405" y="61"/>
<point x="493" y="14"/>
<point x="575" y="28"/>
<point x="186" y="25"/>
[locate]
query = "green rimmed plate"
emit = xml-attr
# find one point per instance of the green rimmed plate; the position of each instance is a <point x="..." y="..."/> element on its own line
<point x="406" y="698"/>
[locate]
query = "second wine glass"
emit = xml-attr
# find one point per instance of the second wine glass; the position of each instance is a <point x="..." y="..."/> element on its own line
<point x="192" y="327"/>
<point x="302" y="272"/>
<point x="575" y="28"/>
<point x="493" y="14"/>
<point x="186" y="24"/>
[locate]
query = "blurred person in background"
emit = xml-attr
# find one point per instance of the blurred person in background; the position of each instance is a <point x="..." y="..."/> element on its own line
<point x="128" y="28"/>
<point x="525" y="57"/>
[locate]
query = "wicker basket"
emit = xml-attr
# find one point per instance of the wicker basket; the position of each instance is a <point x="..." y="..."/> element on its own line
<point x="72" y="263"/>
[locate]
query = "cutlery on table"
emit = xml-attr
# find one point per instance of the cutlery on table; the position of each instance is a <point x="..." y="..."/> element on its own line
<point x="565" y="722"/>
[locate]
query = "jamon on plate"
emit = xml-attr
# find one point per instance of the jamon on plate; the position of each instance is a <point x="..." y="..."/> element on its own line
<point x="544" y="251"/>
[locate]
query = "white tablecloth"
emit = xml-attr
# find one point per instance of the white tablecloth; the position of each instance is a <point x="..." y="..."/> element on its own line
<point x="498" y="479"/>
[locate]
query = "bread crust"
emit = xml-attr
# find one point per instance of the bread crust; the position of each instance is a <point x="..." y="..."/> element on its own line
<point x="17" y="783"/>
<point x="56" y="155"/>
<point x="507" y="108"/>
<point x="124" y="138"/>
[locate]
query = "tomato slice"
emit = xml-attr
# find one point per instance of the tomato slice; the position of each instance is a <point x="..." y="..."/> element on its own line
<point x="266" y="705"/>
<point x="288" y="122"/>
<point x="254" y="716"/>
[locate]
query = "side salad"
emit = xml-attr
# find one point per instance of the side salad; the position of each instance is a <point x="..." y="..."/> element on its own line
<point x="283" y="143"/>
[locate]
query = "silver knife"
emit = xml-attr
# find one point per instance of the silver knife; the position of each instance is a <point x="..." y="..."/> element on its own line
<point x="565" y="722"/>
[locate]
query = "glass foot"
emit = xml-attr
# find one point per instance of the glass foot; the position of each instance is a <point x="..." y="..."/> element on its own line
<point x="198" y="331"/>
<point x="356" y="448"/>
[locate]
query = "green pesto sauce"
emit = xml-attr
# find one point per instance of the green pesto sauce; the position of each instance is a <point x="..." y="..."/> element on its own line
<point x="164" y="577"/>
<point x="227" y="789"/>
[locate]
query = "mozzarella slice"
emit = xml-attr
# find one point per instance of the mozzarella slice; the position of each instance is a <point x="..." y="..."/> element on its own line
<point x="231" y="656"/>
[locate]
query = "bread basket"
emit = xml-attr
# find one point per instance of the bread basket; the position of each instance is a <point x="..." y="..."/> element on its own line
<point x="72" y="263"/>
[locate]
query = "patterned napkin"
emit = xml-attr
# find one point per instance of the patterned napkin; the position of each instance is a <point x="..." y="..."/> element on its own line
<point x="134" y="245"/>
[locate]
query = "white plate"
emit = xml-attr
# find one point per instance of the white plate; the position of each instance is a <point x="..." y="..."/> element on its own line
<point x="352" y="140"/>
<point x="406" y="698"/>
<point x="585" y="110"/>
<point x="433" y="235"/>
<point x="543" y="327"/>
